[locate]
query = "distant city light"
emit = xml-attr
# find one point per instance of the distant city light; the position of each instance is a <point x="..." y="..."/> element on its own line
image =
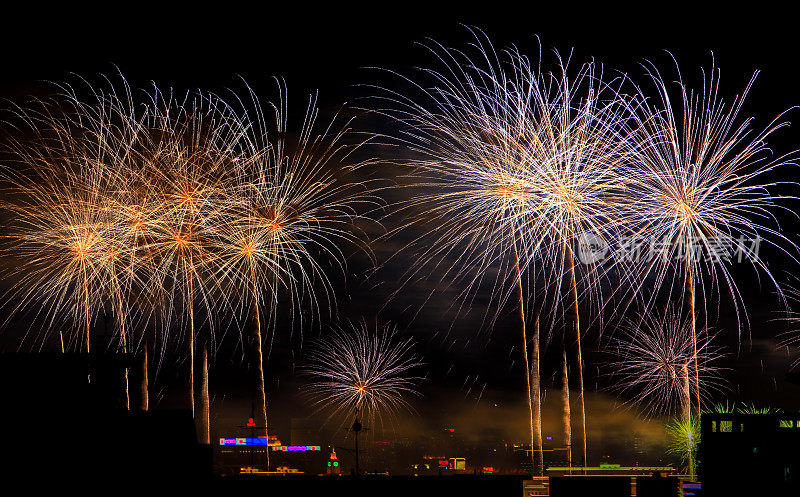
<point x="265" y="441"/>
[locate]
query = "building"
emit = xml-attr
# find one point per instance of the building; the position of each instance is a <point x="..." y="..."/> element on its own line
<point x="333" y="464"/>
<point x="57" y="424"/>
<point x="232" y="454"/>
<point x="750" y="454"/>
<point x="606" y="479"/>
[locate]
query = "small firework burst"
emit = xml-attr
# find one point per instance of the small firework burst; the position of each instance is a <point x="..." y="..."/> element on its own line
<point x="683" y="438"/>
<point x="653" y="359"/>
<point x="362" y="369"/>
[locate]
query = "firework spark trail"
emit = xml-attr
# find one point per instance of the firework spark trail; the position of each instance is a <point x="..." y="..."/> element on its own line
<point x="535" y="421"/>
<point x="652" y="357"/>
<point x="362" y="369"/>
<point x="536" y="395"/>
<point x="699" y="192"/>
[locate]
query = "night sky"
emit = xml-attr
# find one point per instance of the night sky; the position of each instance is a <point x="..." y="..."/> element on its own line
<point x="475" y="379"/>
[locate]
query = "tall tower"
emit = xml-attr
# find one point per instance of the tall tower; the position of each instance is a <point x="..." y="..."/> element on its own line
<point x="333" y="463"/>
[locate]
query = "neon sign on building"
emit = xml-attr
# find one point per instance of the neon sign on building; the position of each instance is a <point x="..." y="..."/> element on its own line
<point x="297" y="448"/>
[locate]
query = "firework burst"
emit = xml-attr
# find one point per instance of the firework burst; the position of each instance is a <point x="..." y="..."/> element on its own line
<point x="187" y="165"/>
<point x="178" y="208"/>
<point x="109" y="204"/>
<point x="515" y="166"/>
<point x="362" y="369"/>
<point x="62" y="223"/>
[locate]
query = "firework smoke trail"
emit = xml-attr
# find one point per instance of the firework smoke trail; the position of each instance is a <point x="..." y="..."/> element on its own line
<point x="652" y="357"/>
<point x="536" y="394"/>
<point x="363" y="369"/>
<point x="519" y="164"/>
<point x="289" y="201"/>
<point x="581" y="400"/>
<point x="700" y="192"/>
<point x="145" y="386"/>
<point x="685" y="383"/>
<point x="535" y="421"/>
<point x="565" y="412"/>
<point x="204" y="421"/>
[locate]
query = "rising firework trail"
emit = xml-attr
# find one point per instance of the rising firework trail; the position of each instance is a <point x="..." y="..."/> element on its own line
<point x="536" y="395"/>
<point x="204" y="419"/>
<point x="565" y="411"/>
<point x="144" y="393"/>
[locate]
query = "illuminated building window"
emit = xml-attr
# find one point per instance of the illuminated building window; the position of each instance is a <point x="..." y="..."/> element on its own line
<point x="713" y="426"/>
<point x="726" y="426"/>
<point x="786" y="423"/>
